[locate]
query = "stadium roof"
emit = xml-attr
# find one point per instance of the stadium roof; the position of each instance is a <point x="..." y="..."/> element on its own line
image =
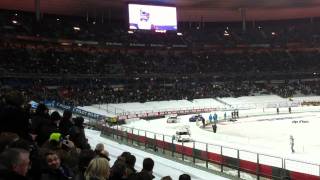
<point x="188" y="10"/>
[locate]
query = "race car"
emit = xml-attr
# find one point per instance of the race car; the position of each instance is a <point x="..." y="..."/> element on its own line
<point x="173" y="119"/>
<point x="183" y="135"/>
<point x="195" y="118"/>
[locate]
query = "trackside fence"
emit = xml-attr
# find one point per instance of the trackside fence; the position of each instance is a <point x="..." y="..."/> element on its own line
<point x="236" y="162"/>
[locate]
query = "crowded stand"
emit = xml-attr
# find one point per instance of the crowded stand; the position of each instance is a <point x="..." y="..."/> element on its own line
<point x="48" y="146"/>
<point x="52" y="60"/>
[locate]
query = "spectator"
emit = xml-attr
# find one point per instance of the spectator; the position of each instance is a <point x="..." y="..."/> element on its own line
<point x="146" y="171"/>
<point x="166" y="178"/>
<point x="84" y="159"/>
<point x="14" y="164"/>
<point x="13" y="117"/>
<point x="66" y="123"/>
<point x="130" y="163"/>
<point x="7" y="138"/>
<point x="40" y="123"/>
<point x="184" y="177"/>
<point x="118" y="171"/>
<point x="98" y="169"/>
<point x="54" y="169"/>
<point x="77" y="134"/>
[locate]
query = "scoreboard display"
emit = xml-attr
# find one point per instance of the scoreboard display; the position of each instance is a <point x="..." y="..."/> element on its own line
<point x="152" y="17"/>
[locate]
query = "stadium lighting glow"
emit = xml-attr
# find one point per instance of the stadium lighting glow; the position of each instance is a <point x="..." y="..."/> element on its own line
<point x="179" y="34"/>
<point x="130" y="32"/>
<point x="93" y="22"/>
<point x="14" y="22"/>
<point x="58" y="19"/>
<point x="76" y="28"/>
<point x="65" y="44"/>
<point x="273" y="33"/>
<point x="226" y="33"/>
<point x="160" y="31"/>
<point x="15" y="14"/>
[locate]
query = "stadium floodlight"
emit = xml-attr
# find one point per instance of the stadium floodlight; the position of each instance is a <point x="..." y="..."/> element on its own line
<point x="179" y="34"/>
<point x="130" y="32"/>
<point x="160" y="31"/>
<point x="14" y="22"/>
<point x="273" y="33"/>
<point x="58" y="19"/>
<point x="226" y="33"/>
<point x="76" y="28"/>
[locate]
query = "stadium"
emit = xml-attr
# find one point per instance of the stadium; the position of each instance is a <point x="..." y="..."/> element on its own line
<point x="164" y="90"/>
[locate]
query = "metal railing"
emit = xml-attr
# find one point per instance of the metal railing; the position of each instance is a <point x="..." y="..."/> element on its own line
<point x="236" y="162"/>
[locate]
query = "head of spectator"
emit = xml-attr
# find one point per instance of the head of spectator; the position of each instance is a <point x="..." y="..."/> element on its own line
<point x="52" y="160"/>
<point x="101" y="152"/>
<point x="42" y="109"/>
<point x="130" y="162"/>
<point x="147" y="167"/>
<point x="16" y="161"/>
<point x="148" y="164"/>
<point x="6" y="138"/>
<point x="98" y="168"/>
<point x="55" y="169"/>
<point x="99" y="148"/>
<point x="78" y="121"/>
<point x="55" y="117"/>
<point x="67" y="115"/>
<point x="184" y="177"/>
<point x="125" y="155"/>
<point x="118" y="171"/>
<point x="166" y="178"/>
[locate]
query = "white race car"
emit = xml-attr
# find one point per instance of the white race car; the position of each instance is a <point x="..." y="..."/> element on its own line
<point x="173" y="119"/>
<point x="183" y="135"/>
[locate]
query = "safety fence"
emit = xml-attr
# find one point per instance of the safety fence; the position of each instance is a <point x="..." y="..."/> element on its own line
<point x="240" y="163"/>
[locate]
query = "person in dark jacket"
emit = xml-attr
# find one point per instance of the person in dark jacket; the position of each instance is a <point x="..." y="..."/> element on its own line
<point x="40" y="123"/>
<point x="130" y="162"/>
<point x="66" y="123"/>
<point x="13" y="117"/>
<point x="146" y="172"/>
<point x="14" y="164"/>
<point x="214" y="127"/>
<point x="53" y="126"/>
<point x="118" y="171"/>
<point x="77" y="134"/>
<point x="55" y="170"/>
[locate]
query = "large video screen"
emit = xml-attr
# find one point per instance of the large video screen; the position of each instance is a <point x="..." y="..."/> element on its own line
<point x="152" y="17"/>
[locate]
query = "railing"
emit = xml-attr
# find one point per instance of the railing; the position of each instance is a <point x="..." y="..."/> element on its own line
<point x="240" y="163"/>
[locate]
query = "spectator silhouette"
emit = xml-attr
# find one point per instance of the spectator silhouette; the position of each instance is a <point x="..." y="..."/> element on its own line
<point x="12" y="115"/>
<point x="14" y="164"/>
